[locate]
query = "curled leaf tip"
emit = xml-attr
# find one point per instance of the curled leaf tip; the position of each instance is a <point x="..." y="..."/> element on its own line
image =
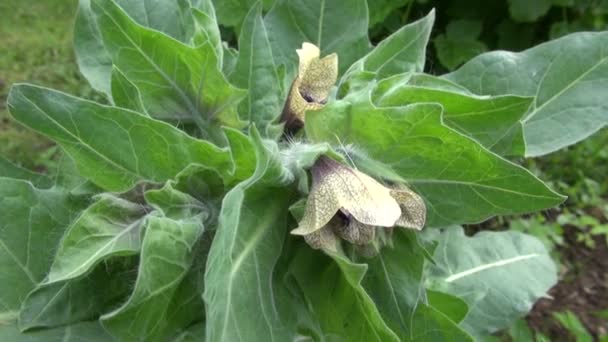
<point x="311" y="88"/>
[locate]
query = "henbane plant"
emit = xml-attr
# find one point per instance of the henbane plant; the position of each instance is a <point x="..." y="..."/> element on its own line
<point x="170" y="214"/>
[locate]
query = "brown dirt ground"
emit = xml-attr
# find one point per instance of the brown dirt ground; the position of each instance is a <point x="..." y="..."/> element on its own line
<point x="583" y="289"/>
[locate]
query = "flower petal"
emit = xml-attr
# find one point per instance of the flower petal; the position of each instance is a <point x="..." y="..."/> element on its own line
<point x="324" y="239"/>
<point x="310" y="89"/>
<point x="356" y="232"/>
<point x="413" y="210"/>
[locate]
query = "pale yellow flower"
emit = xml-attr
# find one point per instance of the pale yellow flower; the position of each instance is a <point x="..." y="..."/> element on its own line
<point x="311" y="88"/>
<point x="347" y="203"/>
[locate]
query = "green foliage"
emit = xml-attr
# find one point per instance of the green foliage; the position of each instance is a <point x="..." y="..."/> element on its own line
<point x="574" y="326"/>
<point x="169" y="212"/>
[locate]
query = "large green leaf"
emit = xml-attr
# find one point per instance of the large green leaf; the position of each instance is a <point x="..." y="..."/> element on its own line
<point x="81" y="299"/>
<point x="257" y="72"/>
<point x="459" y="179"/>
<point x="333" y="25"/>
<point x="177" y="82"/>
<point x="243" y="301"/>
<point x="341" y="306"/>
<point x="170" y="17"/>
<point x="84" y="331"/>
<point x="394" y="281"/>
<point x="492" y="121"/>
<point x="141" y="148"/>
<point x="499" y="274"/>
<point x="31" y="224"/>
<point x="430" y="324"/>
<point x="402" y="51"/>
<point x="10" y="170"/>
<point x="166" y="257"/>
<point x="111" y="226"/>
<point x="93" y="60"/>
<point x="207" y="30"/>
<point x="125" y="94"/>
<point x="567" y="76"/>
<point x="165" y="287"/>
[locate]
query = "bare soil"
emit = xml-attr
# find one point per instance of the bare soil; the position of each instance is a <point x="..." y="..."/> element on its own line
<point x="583" y="289"/>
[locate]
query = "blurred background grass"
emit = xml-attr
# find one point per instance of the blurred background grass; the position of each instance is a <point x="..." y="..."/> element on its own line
<point x="36" y="36"/>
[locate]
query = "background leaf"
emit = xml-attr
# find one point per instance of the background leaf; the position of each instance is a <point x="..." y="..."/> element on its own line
<point x="499" y="274"/>
<point x="10" y="170"/>
<point x="460" y="43"/>
<point x="567" y="78"/>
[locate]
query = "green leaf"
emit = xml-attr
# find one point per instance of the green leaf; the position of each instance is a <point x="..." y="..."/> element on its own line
<point x="243" y="300"/>
<point x="333" y="25"/>
<point x="76" y="300"/>
<point x="459" y="179"/>
<point x="125" y="94"/>
<point x="403" y="51"/>
<point x="431" y="324"/>
<point x="394" y="285"/>
<point x="177" y="82"/>
<point x="380" y="9"/>
<point x="32" y="223"/>
<point x="499" y="274"/>
<point x="233" y="12"/>
<point x="452" y="53"/>
<point x="230" y="58"/>
<point x="170" y="17"/>
<point x="567" y="78"/>
<point x="10" y="170"/>
<point x="453" y="307"/>
<point x="207" y="30"/>
<point x="84" y="331"/>
<point x="141" y="148"/>
<point x="574" y="326"/>
<point x="528" y="11"/>
<point x="521" y="332"/>
<point x="93" y="60"/>
<point x="166" y="257"/>
<point x="492" y="121"/>
<point x="459" y="43"/>
<point x="257" y="72"/>
<point x="110" y="226"/>
<point x="333" y="292"/>
<point x="194" y="333"/>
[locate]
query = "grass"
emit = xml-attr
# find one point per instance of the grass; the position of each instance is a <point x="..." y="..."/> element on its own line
<point x="36" y="41"/>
